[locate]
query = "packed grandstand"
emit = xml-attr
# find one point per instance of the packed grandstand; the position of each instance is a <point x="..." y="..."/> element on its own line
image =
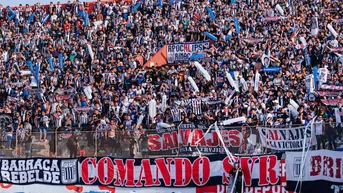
<point x="179" y="79"/>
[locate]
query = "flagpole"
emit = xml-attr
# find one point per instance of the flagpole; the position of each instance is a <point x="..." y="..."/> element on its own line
<point x="234" y="182"/>
<point x="302" y="156"/>
<point x="242" y="189"/>
<point x="178" y="141"/>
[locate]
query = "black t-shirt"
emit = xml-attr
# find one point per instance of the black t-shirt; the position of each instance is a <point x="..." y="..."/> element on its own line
<point x="201" y="36"/>
<point x="71" y="143"/>
<point x="9" y="129"/>
<point x="239" y="177"/>
<point x="192" y="71"/>
<point x="144" y="142"/>
<point x="188" y="36"/>
<point x="98" y="78"/>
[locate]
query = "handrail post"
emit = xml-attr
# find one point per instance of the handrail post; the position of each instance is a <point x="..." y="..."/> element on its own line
<point x="56" y="141"/>
<point x="16" y="144"/>
<point x="96" y="142"/>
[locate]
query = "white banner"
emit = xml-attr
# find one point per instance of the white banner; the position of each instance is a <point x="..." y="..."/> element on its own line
<point x="323" y="171"/>
<point x="309" y="83"/>
<point x="286" y="138"/>
<point x="183" y="51"/>
<point x="323" y="75"/>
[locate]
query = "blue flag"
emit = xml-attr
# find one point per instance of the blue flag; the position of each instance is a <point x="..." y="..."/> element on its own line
<point x="61" y="60"/>
<point x="82" y="13"/>
<point x="31" y="18"/>
<point x="238" y="29"/>
<point x="211" y="36"/>
<point x="45" y="19"/>
<point x="315" y="76"/>
<point x="271" y="69"/>
<point x="210" y="12"/>
<point x="11" y="17"/>
<point x="29" y="63"/>
<point x="196" y="56"/>
<point x="37" y="75"/>
<point x="50" y="62"/>
<point x="135" y="8"/>
<point x="86" y="19"/>
<point x="228" y="37"/>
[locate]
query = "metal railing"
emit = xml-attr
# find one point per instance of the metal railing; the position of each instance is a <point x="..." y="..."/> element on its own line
<point x="86" y="142"/>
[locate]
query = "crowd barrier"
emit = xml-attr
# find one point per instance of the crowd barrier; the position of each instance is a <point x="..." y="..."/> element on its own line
<point x="180" y="140"/>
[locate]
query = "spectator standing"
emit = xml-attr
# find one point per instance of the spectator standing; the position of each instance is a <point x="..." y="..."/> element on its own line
<point x="52" y="147"/>
<point x="319" y="129"/>
<point x="44" y="125"/>
<point x="72" y="145"/>
<point x="331" y="134"/>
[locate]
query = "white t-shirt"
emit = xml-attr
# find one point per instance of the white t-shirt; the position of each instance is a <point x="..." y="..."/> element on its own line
<point x="318" y="127"/>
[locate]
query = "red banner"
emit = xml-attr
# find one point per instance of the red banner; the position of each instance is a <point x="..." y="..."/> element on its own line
<point x="258" y="171"/>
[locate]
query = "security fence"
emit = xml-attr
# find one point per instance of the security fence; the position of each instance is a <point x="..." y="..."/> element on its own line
<point x="158" y="140"/>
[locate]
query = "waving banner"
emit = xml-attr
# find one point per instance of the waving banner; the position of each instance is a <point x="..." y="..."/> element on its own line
<point x="286" y="138"/>
<point x="39" y="171"/>
<point x="182" y="52"/>
<point x="322" y="172"/>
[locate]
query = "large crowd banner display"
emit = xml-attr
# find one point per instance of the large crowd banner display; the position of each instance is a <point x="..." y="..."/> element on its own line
<point x="39" y="171"/>
<point x="182" y="52"/>
<point x="322" y="171"/>
<point x="42" y="188"/>
<point x="167" y="172"/>
<point x="191" y="137"/>
<point x="259" y="171"/>
<point x="286" y="138"/>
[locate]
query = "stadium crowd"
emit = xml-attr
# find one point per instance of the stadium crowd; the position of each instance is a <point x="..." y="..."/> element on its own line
<point x="49" y="79"/>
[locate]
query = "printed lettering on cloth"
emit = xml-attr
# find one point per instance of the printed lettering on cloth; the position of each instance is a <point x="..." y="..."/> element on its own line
<point x="280" y="188"/>
<point x="65" y="94"/>
<point x="322" y="172"/>
<point x="328" y="93"/>
<point x="181" y="52"/>
<point x="192" y="137"/>
<point x="331" y="102"/>
<point x="36" y="91"/>
<point x="39" y="171"/>
<point x="43" y="188"/>
<point x="5" y="119"/>
<point x="331" y="87"/>
<point x="286" y="138"/>
<point x="162" y="141"/>
<point x="263" y="170"/>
